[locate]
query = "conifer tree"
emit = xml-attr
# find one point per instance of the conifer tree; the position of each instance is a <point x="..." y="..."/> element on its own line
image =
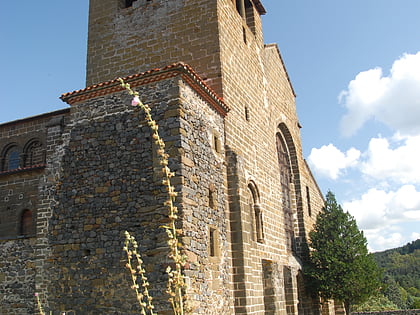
<point x="340" y="266"/>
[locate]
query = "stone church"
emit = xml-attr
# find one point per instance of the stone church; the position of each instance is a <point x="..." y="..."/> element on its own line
<point x="73" y="180"/>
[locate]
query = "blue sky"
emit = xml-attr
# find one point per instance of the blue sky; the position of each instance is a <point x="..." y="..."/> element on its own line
<point x="354" y="65"/>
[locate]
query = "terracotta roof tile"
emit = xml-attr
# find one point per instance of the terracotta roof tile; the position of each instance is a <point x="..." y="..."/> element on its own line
<point x="153" y="75"/>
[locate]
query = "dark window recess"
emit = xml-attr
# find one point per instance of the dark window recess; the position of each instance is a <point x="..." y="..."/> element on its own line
<point x="247" y="113"/>
<point x="246" y="11"/>
<point x="212" y="242"/>
<point x="26" y="223"/>
<point x="129" y="3"/>
<point x="308" y="200"/>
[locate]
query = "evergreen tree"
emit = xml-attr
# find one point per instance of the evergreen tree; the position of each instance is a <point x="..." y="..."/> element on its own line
<point x="340" y="266"/>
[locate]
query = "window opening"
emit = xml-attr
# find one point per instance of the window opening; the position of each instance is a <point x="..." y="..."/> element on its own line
<point x="216" y="143"/>
<point x="258" y="223"/>
<point x="308" y="200"/>
<point x="285" y="181"/>
<point x="12" y="159"/>
<point x="34" y="154"/>
<point x="212" y="242"/>
<point x="26" y="223"/>
<point x="212" y="196"/>
<point x="257" y="228"/>
<point x="246" y="11"/>
<point x="240" y="7"/>
<point x="247" y="113"/>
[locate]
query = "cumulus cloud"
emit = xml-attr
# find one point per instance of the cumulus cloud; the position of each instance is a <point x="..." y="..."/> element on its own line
<point x="394" y="99"/>
<point x="378" y="212"/>
<point x="377" y="207"/>
<point x="330" y="162"/>
<point x="398" y="161"/>
<point x="379" y="240"/>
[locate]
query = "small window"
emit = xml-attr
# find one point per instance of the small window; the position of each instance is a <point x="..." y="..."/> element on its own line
<point x="216" y="142"/>
<point x="246" y="11"/>
<point x="212" y="237"/>
<point x="259" y="224"/>
<point x="26" y="223"/>
<point x="247" y="113"/>
<point x="257" y="228"/>
<point x="12" y="159"/>
<point x="308" y="200"/>
<point x="212" y="197"/>
<point x="213" y="242"/>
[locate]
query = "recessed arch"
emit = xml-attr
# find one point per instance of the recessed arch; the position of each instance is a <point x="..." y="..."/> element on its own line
<point x="290" y="183"/>
<point x="33" y="153"/>
<point x="11" y="157"/>
<point x="256" y="212"/>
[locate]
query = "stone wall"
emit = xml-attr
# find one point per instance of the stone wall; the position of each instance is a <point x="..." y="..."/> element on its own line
<point x="152" y="34"/>
<point x="257" y="88"/>
<point x="110" y="182"/>
<point x="17" y="276"/>
<point x="20" y="248"/>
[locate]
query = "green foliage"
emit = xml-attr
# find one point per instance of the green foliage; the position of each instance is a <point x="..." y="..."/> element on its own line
<point x="375" y="303"/>
<point x="340" y="266"/>
<point x="401" y="268"/>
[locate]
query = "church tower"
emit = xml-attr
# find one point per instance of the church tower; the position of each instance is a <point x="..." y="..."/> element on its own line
<point x="226" y="111"/>
<point x="132" y="36"/>
<point x="269" y="187"/>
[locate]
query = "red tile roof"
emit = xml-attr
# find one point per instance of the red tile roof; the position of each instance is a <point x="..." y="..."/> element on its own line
<point x="154" y="75"/>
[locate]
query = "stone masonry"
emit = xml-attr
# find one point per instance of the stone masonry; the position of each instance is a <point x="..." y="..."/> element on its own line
<point x="72" y="181"/>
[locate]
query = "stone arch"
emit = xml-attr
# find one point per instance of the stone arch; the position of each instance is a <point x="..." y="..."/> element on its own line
<point x="11" y="157"/>
<point x="289" y="168"/>
<point x="33" y="153"/>
<point x="256" y="212"/>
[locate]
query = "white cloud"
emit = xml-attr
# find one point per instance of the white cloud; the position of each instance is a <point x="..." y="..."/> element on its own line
<point x="415" y="236"/>
<point x="379" y="212"/>
<point x="377" y="207"/>
<point x="379" y="240"/>
<point x="330" y="161"/>
<point x="394" y="100"/>
<point x="400" y="164"/>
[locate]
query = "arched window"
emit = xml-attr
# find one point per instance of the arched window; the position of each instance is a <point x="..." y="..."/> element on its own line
<point x="26" y="223"/>
<point x="285" y="182"/>
<point x="11" y="158"/>
<point x="256" y="213"/>
<point x="34" y="154"/>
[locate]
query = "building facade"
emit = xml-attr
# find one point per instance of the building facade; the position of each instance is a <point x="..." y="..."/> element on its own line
<point x="72" y="181"/>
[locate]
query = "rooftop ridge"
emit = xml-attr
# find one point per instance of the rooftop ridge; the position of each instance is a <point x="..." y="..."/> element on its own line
<point x="153" y="75"/>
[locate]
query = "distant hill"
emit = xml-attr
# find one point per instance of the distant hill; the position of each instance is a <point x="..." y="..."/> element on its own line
<point x="401" y="271"/>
